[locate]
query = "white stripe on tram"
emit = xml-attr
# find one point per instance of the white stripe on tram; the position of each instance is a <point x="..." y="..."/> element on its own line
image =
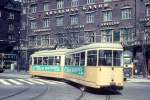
<point x="4" y="82"/>
<point x="46" y="81"/>
<point x="35" y="81"/>
<point x="15" y="82"/>
<point x="21" y="80"/>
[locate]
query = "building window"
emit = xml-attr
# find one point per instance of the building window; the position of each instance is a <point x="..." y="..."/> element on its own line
<point x="61" y="38"/>
<point x="46" y="6"/>
<point x="59" y="21"/>
<point x="10" y="27"/>
<point x="90" y="1"/>
<point x="11" y="15"/>
<point x="107" y="0"/>
<point x="90" y="37"/>
<point x="46" y="22"/>
<point x="33" y="1"/>
<point x="33" y="24"/>
<point x="73" y="39"/>
<point x="90" y="17"/>
<point x="39" y="40"/>
<point x="107" y="35"/>
<point x="125" y="34"/>
<point x="74" y="3"/>
<point x="126" y="13"/>
<point x="60" y="4"/>
<point x="32" y="41"/>
<point x="116" y="36"/>
<point x="74" y="19"/>
<point x="11" y="37"/>
<point x="24" y="9"/>
<point x="107" y="15"/>
<point x="45" y="40"/>
<point x="23" y="25"/>
<point x="148" y="10"/>
<point x="33" y="8"/>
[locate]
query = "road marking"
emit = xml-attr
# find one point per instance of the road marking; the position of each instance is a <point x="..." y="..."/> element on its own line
<point x="29" y="81"/>
<point x="46" y="81"/>
<point x="15" y="82"/>
<point x="4" y="82"/>
<point x="37" y="82"/>
<point x="21" y="80"/>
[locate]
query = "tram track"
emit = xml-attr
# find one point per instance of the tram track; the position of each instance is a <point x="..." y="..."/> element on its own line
<point x="26" y="91"/>
<point x="83" y="92"/>
<point x="14" y="94"/>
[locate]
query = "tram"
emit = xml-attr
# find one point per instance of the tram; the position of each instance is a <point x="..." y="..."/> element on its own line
<point x="128" y="64"/>
<point x="6" y="60"/>
<point x="48" y="63"/>
<point x="96" y="65"/>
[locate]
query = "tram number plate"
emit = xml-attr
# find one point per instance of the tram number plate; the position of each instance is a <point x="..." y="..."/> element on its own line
<point x="112" y="83"/>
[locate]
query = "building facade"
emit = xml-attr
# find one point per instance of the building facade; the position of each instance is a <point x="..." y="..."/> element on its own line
<point x="48" y="24"/>
<point x="9" y="29"/>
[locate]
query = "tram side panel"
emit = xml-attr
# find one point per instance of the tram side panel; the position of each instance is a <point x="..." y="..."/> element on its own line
<point x="47" y="71"/>
<point x="55" y="71"/>
<point x="118" y="77"/>
<point x="104" y="76"/>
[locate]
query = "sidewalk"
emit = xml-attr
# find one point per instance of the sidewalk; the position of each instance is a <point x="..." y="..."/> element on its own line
<point x="139" y="80"/>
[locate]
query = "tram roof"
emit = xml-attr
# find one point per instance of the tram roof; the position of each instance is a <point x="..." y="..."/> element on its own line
<point x="50" y="52"/>
<point x="103" y="46"/>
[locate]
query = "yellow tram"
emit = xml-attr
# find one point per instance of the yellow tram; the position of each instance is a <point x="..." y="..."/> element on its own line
<point x="95" y="65"/>
<point x="48" y="63"/>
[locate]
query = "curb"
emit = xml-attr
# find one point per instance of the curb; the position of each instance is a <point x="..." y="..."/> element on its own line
<point x="139" y="80"/>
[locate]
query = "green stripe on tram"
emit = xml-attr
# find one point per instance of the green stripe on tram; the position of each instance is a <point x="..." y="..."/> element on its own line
<point x="75" y="70"/>
<point x="46" y="68"/>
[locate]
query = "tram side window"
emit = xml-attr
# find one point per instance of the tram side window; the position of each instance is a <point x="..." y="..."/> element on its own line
<point x="51" y="60"/>
<point x="105" y="58"/>
<point x="117" y="58"/>
<point x="77" y="59"/>
<point x="92" y="58"/>
<point x="39" y="60"/>
<point x="82" y="58"/>
<point x="35" y="61"/>
<point x="57" y="60"/>
<point x="68" y="60"/>
<point x="45" y="60"/>
<point x="73" y="60"/>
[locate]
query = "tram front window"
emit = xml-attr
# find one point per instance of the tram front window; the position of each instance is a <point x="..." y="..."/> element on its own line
<point x="117" y="58"/>
<point x="105" y="58"/>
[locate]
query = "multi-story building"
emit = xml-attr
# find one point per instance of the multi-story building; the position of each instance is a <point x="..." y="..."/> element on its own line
<point x="9" y="27"/>
<point x="71" y="23"/>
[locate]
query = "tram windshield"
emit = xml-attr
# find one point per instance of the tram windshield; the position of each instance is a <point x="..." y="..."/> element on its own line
<point x="109" y="58"/>
<point x="127" y="60"/>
